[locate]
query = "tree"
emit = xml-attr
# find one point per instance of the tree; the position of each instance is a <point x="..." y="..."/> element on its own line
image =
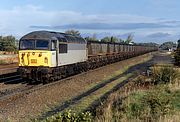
<point x="93" y="38"/>
<point x="177" y="54"/>
<point x="148" y="44"/>
<point x="90" y="39"/>
<point x="178" y="47"/>
<point x="106" y="39"/>
<point x="8" y="43"/>
<point x="129" y="39"/>
<point x="73" y="32"/>
<point x="110" y="39"/>
<point x="167" y="45"/>
<point x="121" y="41"/>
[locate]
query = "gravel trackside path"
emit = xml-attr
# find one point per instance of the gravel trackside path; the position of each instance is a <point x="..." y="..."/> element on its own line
<point x="33" y="104"/>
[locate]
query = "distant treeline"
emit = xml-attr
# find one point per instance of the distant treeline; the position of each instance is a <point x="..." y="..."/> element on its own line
<point x="129" y="39"/>
<point x="8" y="43"/>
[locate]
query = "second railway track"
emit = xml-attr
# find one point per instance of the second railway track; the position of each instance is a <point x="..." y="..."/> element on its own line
<point x="10" y="78"/>
<point x="24" y="88"/>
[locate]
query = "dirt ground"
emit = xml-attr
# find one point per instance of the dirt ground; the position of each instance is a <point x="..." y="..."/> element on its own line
<point x="8" y="59"/>
<point x="33" y="104"/>
<point x="3" y="66"/>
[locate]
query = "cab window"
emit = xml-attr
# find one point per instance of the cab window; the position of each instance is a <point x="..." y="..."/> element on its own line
<point x="31" y="44"/>
<point x="42" y="44"/>
<point x="27" y="44"/>
<point x="53" y="45"/>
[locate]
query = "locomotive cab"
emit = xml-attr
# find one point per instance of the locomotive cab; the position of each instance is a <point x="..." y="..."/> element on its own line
<point x="45" y="55"/>
<point x="35" y="53"/>
<point x="36" y="57"/>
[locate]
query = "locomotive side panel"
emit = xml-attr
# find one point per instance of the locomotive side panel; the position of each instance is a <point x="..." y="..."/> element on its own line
<point x="73" y="53"/>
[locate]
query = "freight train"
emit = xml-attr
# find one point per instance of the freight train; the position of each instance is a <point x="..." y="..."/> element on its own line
<point x="46" y="56"/>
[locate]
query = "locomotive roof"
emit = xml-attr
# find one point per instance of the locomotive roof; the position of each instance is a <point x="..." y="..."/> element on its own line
<point x="49" y="35"/>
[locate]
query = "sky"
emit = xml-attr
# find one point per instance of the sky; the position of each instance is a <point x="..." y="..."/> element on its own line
<point x="147" y="20"/>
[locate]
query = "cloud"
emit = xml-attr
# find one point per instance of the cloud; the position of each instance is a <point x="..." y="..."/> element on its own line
<point x="22" y="19"/>
<point x="159" y="35"/>
<point x="106" y="26"/>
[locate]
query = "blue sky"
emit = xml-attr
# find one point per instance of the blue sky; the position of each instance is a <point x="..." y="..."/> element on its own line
<point x="147" y="20"/>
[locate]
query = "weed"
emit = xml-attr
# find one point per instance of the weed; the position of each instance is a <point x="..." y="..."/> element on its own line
<point x="2" y="62"/>
<point x="69" y="116"/>
<point x="164" y="75"/>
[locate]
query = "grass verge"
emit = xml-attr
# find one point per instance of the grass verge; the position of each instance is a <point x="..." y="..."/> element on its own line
<point x="87" y="101"/>
<point x="156" y="101"/>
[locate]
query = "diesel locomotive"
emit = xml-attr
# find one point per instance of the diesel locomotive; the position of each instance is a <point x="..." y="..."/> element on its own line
<point x="46" y="56"/>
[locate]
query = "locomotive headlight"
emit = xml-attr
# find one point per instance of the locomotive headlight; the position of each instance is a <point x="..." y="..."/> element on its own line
<point x="40" y="54"/>
<point x="46" y="60"/>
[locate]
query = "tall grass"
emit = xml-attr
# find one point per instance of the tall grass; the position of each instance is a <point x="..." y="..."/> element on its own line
<point x="2" y="62"/>
<point x="177" y="57"/>
<point x="164" y="75"/>
<point x="145" y="99"/>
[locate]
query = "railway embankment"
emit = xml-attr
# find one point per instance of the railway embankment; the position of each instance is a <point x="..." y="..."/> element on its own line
<point x="33" y="103"/>
<point x="130" y="97"/>
<point x="79" y="93"/>
<point x="8" y="59"/>
<point x="145" y="98"/>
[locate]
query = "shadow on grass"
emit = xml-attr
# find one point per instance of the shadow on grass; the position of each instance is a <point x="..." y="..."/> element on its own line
<point x="137" y="68"/>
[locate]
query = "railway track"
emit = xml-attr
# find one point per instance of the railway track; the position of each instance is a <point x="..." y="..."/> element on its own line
<point x="25" y="93"/>
<point x="10" y="78"/>
<point x="24" y="88"/>
<point x="14" y="91"/>
<point x="7" y="70"/>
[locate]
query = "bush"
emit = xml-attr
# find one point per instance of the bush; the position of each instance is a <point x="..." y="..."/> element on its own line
<point x="159" y="101"/>
<point x="8" y="43"/>
<point x="69" y="116"/>
<point x="177" y="57"/>
<point x="148" y="106"/>
<point x="2" y="62"/>
<point x="164" y="75"/>
<point x="177" y="54"/>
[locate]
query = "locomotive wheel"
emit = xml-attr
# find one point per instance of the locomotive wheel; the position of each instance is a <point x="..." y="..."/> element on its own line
<point x="45" y="81"/>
